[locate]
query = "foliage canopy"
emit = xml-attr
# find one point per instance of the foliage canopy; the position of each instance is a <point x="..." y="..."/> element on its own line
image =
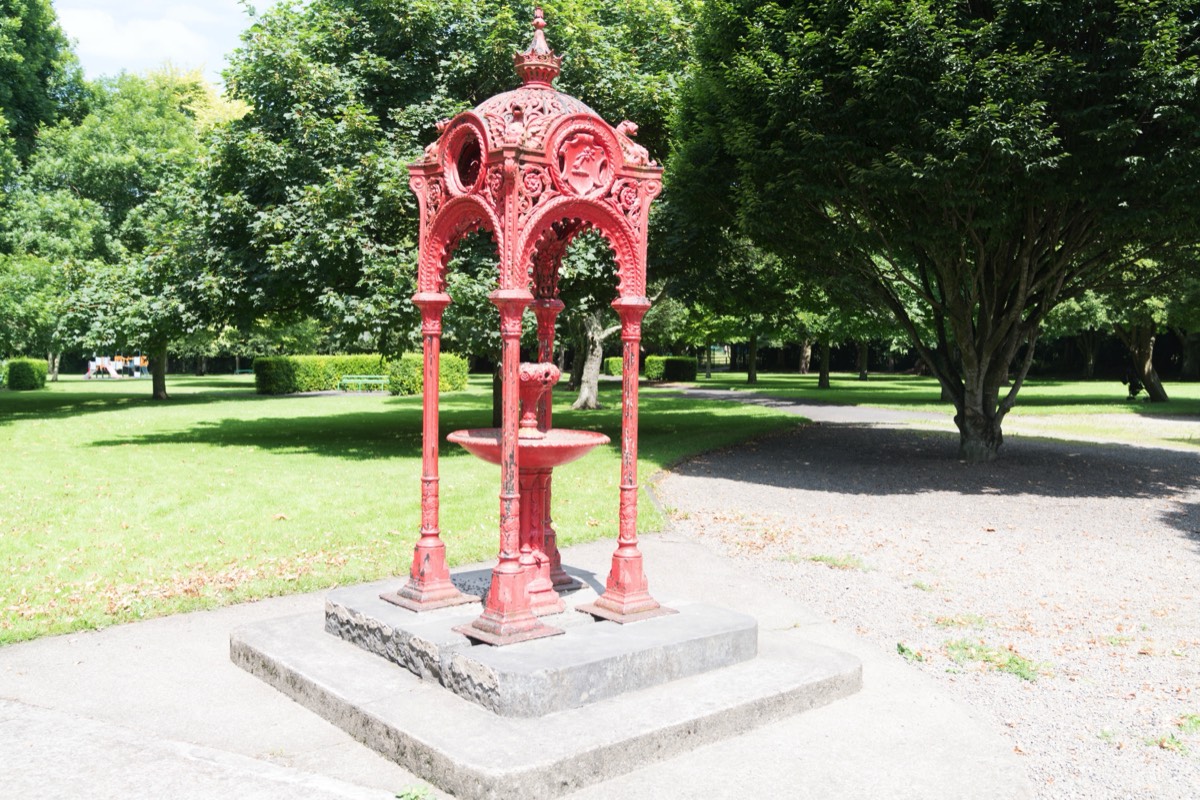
<point x="987" y="158"/>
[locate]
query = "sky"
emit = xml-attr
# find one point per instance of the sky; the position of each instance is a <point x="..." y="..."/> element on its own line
<point x="139" y="35"/>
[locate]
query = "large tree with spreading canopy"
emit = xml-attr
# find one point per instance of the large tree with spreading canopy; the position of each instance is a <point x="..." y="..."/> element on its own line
<point x="988" y="158"/>
<point x="308" y="205"/>
<point x="40" y="79"/>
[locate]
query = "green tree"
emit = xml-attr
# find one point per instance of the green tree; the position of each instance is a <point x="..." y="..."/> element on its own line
<point x="40" y="79"/>
<point x="1086" y="320"/>
<point x="991" y="158"/>
<point x="1139" y="308"/>
<point x="1183" y="317"/>
<point x="27" y="312"/>
<point x="107" y="203"/>
<point x="307" y="200"/>
<point x="731" y="278"/>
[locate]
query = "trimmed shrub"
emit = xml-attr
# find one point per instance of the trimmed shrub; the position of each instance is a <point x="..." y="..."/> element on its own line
<point x="670" y="368"/>
<point x="612" y="365"/>
<point x="21" y="374"/>
<point x="291" y="374"/>
<point x="454" y="371"/>
<point x="406" y="374"/>
<point x="274" y="375"/>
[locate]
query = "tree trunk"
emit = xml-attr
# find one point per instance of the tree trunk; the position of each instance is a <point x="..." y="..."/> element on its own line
<point x="805" y="356"/>
<point x="863" y="358"/>
<point x="1088" y="342"/>
<point x="823" y="376"/>
<point x="158" y="371"/>
<point x="1140" y="341"/>
<point x="708" y="358"/>
<point x="752" y="359"/>
<point x="1190" y="368"/>
<point x="237" y="363"/>
<point x="979" y="435"/>
<point x="579" y="356"/>
<point x="593" y="341"/>
<point x="201" y="365"/>
<point x="52" y="360"/>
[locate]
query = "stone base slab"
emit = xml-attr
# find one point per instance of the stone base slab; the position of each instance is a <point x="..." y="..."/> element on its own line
<point x="591" y="661"/>
<point x="471" y="752"/>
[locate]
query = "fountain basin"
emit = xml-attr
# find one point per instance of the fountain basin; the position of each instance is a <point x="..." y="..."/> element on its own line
<point x="559" y="446"/>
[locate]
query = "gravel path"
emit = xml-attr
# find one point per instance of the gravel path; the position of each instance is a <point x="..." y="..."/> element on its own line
<point x="1074" y="564"/>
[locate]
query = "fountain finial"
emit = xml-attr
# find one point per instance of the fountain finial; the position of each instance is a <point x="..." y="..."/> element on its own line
<point x="538" y="66"/>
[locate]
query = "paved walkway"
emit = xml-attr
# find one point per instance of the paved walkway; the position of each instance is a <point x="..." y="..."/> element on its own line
<point x="1071" y="563"/>
<point x="156" y="709"/>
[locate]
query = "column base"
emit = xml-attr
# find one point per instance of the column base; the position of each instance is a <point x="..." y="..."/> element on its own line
<point x="427" y="598"/>
<point x="507" y="617"/>
<point x="543" y="600"/>
<point x="563" y="582"/>
<point x="628" y="610"/>
<point x="502" y="632"/>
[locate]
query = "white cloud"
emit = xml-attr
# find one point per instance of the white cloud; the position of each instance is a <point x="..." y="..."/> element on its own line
<point x="137" y="35"/>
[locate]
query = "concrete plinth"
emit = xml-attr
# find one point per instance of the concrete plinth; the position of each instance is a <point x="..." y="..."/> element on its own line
<point x="592" y="661"/>
<point x="542" y="718"/>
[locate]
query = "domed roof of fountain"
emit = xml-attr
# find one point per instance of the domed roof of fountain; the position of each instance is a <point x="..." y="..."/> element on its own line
<point x="523" y="115"/>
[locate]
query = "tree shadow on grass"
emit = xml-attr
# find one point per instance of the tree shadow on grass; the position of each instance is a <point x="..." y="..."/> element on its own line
<point x="364" y="435"/>
<point x="868" y="460"/>
<point x="900" y="391"/>
<point x="671" y="427"/>
<point x="16" y="406"/>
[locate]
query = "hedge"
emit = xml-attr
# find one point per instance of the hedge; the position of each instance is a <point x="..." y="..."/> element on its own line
<point x="613" y="365"/>
<point x="406" y="375"/>
<point x="25" y="373"/>
<point x="291" y="374"/>
<point x="670" y="368"/>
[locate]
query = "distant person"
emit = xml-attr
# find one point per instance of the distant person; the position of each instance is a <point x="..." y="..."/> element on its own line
<point x="1134" y="383"/>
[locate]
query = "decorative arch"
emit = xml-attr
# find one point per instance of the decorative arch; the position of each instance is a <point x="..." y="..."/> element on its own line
<point x="534" y="167"/>
<point x="541" y="236"/>
<point x="447" y="227"/>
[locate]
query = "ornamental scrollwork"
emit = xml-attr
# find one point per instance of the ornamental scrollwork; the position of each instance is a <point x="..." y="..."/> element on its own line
<point x="495" y="183"/>
<point x="626" y="197"/>
<point x="535" y="184"/>
<point x="534" y="109"/>
<point x="578" y="215"/>
<point x="435" y="193"/>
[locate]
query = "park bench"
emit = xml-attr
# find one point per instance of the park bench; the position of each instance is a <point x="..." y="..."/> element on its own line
<point x="361" y="381"/>
<point x="243" y="372"/>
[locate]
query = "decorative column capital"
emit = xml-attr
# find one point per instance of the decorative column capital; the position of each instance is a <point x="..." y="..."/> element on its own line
<point x="547" y="310"/>
<point x="512" y="303"/>
<point x="432" y="304"/>
<point x="631" y="310"/>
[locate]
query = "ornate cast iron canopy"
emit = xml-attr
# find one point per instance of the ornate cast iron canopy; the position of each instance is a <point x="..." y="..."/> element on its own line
<point x="534" y="167"/>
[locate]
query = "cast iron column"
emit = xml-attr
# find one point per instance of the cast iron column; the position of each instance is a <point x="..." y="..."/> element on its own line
<point x="547" y="311"/>
<point x="507" y="613"/>
<point x="626" y="596"/>
<point x="429" y="583"/>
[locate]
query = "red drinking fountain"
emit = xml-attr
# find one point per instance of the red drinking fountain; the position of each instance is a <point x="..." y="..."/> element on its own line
<point x="539" y="451"/>
<point x="535" y="168"/>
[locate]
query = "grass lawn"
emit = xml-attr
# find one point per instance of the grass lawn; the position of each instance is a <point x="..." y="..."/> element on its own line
<point x="1037" y="396"/>
<point x="116" y="507"/>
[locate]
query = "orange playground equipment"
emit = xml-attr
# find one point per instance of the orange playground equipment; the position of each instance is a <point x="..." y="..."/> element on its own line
<point x="118" y="367"/>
